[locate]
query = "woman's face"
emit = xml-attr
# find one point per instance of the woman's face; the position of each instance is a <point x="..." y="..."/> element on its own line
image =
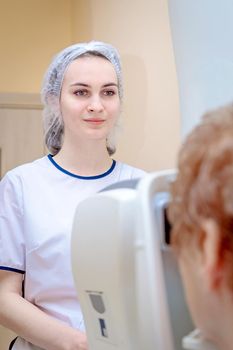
<point x="90" y="103"/>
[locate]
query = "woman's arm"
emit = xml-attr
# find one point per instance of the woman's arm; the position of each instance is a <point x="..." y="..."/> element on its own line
<point x="32" y="324"/>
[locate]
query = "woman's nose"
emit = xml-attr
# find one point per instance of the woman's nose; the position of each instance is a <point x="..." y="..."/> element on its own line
<point x="95" y="105"/>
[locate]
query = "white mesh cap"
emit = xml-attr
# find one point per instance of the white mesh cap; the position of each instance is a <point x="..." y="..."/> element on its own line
<point x="52" y="84"/>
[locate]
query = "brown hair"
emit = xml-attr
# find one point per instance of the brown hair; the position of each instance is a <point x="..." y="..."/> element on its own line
<point x="204" y="185"/>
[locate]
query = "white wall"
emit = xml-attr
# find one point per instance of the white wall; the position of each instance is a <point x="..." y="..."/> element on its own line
<point x="202" y="32"/>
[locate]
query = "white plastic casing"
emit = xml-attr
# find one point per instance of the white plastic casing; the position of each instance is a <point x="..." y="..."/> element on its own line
<point x="118" y="253"/>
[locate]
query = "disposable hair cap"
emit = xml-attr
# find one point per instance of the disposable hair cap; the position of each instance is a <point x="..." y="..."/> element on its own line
<point x="55" y="73"/>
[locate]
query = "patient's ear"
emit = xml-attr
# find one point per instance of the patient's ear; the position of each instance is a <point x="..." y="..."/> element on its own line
<point x="212" y="255"/>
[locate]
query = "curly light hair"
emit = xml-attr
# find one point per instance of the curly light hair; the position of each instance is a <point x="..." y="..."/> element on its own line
<point x="204" y="185"/>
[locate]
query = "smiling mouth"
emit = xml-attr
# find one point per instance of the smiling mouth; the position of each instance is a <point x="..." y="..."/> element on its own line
<point x="94" y="121"/>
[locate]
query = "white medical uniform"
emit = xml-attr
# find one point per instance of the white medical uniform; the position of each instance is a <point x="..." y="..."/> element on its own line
<point x="37" y="205"/>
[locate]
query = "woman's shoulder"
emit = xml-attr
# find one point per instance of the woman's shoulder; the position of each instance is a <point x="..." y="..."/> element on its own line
<point x="129" y="171"/>
<point x="26" y="169"/>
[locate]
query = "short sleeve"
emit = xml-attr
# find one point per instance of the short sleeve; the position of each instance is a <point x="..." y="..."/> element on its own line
<point x="12" y="245"/>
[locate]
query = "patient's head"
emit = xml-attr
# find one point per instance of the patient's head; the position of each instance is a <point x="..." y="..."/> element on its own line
<point x="201" y="214"/>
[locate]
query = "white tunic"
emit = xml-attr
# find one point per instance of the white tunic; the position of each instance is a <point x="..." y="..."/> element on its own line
<point x="37" y="205"/>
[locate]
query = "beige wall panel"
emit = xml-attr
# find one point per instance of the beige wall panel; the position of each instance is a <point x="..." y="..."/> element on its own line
<point x="31" y="32"/>
<point x="140" y="30"/>
<point x="21" y="131"/>
<point x="21" y="140"/>
<point x="6" y="337"/>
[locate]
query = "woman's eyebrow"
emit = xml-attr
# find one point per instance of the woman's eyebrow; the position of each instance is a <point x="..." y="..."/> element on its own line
<point x="79" y="84"/>
<point x="87" y="85"/>
<point x="110" y="84"/>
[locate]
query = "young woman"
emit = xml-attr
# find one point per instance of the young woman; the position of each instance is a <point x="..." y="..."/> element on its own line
<point x="82" y="96"/>
<point x="201" y="214"/>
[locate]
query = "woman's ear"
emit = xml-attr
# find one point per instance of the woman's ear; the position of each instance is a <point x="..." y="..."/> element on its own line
<point x="212" y="255"/>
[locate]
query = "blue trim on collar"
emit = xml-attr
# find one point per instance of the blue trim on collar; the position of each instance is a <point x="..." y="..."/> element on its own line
<point x="11" y="269"/>
<point x="50" y="157"/>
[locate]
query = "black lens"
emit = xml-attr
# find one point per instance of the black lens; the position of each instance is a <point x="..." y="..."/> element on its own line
<point x="167" y="227"/>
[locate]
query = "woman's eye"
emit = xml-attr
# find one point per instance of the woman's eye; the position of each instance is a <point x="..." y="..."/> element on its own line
<point x="109" y="92"/>
<point x="81" y="92"/>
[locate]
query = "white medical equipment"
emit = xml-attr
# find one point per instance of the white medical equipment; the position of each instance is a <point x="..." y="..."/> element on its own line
<point x="126" y="275"/>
